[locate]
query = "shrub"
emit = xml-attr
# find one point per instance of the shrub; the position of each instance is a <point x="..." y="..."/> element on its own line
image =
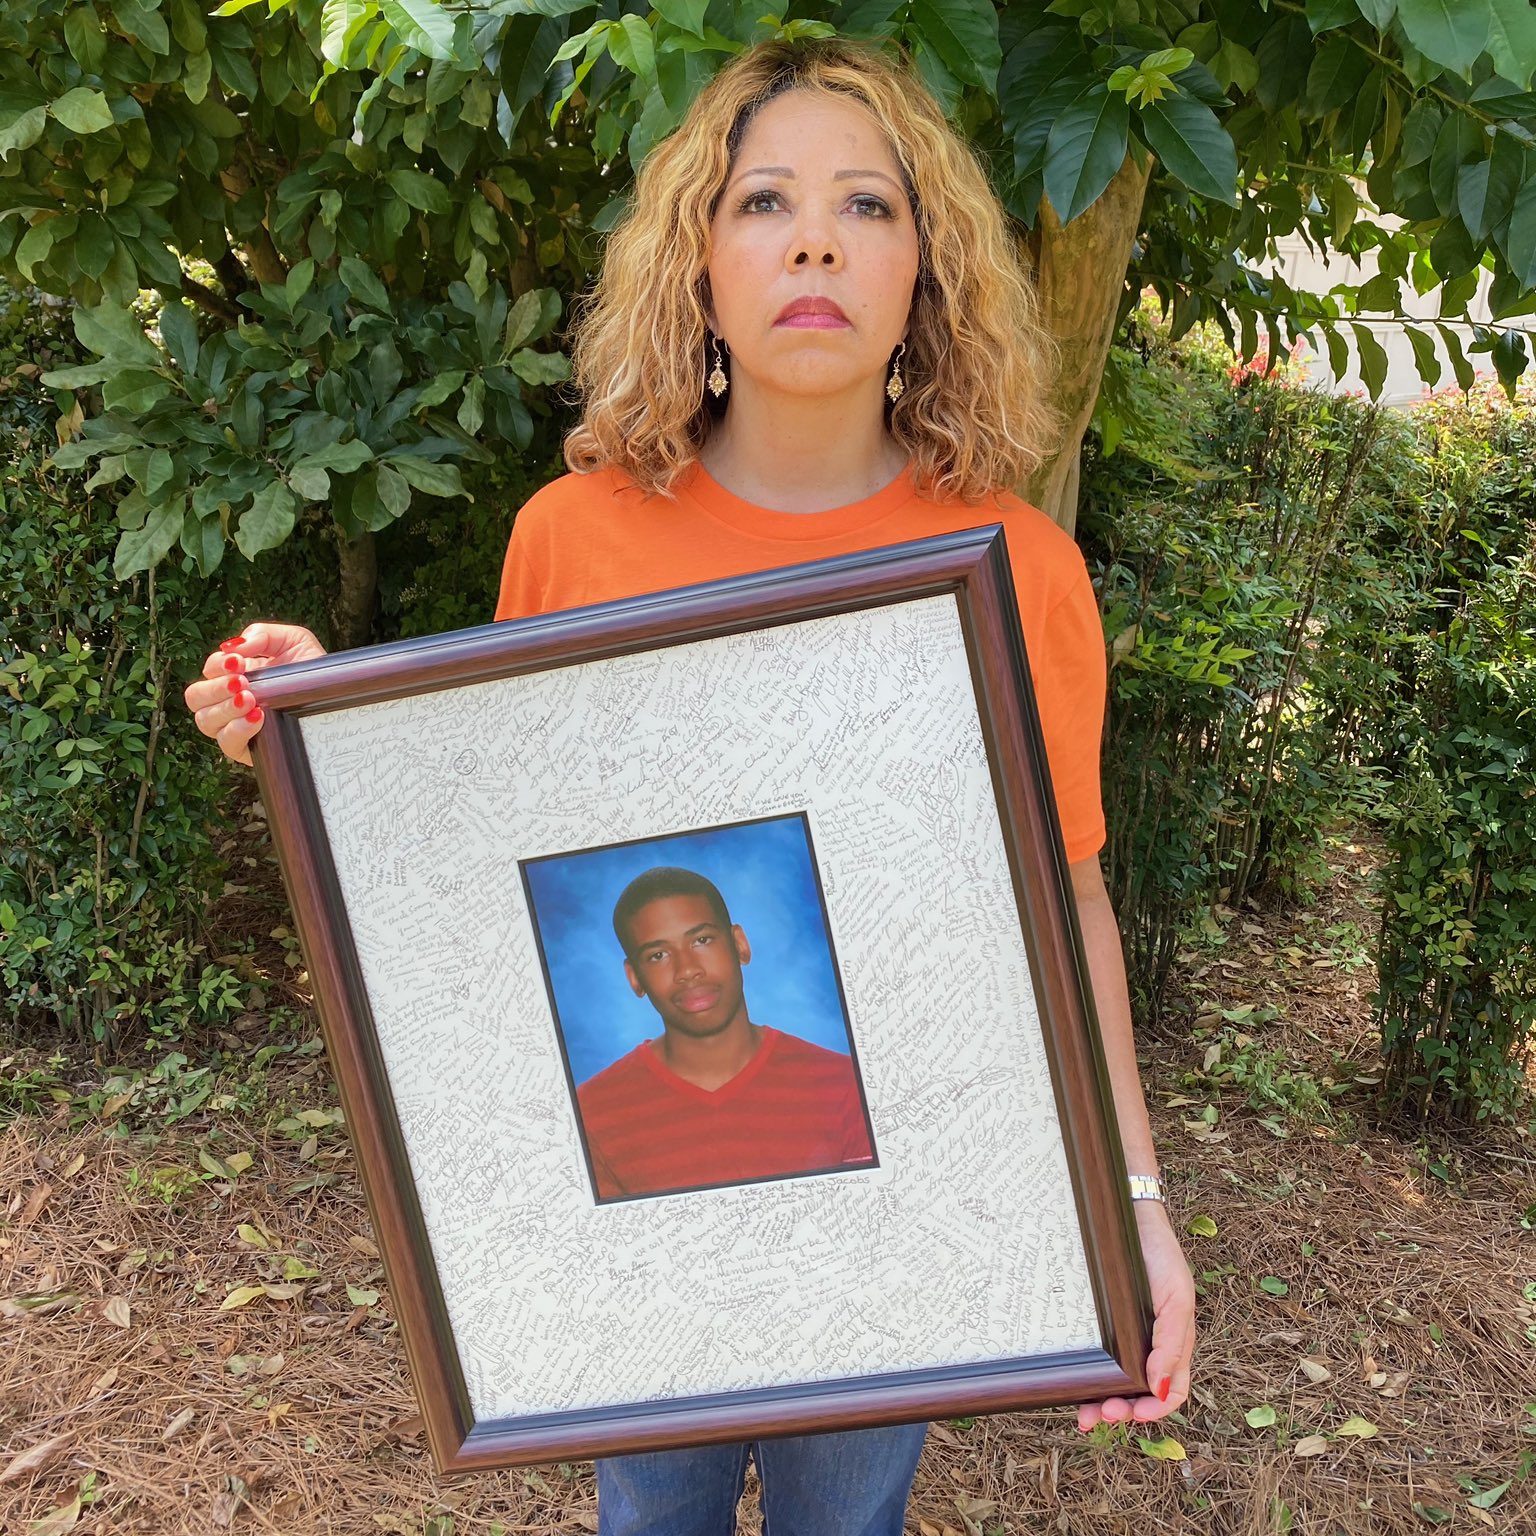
<point x="1456" y="997"/>
<point x="108" y="795"/>
<point x="1220" y="530"/>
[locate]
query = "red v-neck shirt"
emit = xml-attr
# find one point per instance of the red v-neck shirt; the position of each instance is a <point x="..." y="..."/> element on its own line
<point x="794" y="1108"/>
<point x="591" y="538"/>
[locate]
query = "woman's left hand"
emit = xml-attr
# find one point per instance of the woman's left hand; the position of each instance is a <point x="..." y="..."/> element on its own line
<point x="1173" y="1331"/>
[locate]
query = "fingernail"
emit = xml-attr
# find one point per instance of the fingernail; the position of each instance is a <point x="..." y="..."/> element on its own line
<point x="1162" y="1389"/>
<point x="230" y="644"/>
<point x="243" y="701"/>
<point x="233" y="663"/>
<point x="237" y="685"/>
<point x="254" y="715"/>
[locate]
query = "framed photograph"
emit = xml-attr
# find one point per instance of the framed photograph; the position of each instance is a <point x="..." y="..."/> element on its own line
<point x="704" y="990"/>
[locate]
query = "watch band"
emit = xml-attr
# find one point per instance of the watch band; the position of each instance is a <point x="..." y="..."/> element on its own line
<point x="1146" y="1186"/>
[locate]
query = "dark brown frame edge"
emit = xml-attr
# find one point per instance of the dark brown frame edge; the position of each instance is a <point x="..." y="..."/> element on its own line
<point x="973" y="567"/>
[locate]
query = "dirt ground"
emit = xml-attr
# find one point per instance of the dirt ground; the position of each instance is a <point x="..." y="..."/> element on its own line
<point x="1366" y="1360"/>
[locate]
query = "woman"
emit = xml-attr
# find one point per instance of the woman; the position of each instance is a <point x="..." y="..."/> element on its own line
<point x="812" y="335"/>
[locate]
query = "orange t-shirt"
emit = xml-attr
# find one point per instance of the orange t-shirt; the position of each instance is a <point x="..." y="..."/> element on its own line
<point x="595" y="537"/>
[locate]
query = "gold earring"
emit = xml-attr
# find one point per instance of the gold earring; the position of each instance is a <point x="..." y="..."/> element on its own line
<point x="717" y="381"/>
<point x="894" y="385"/>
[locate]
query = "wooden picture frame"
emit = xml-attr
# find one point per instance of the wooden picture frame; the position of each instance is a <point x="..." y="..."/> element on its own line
<point x="386" y="774"/>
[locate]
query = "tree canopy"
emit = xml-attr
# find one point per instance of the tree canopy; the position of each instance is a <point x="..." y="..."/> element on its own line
<point x="361" y="215"/>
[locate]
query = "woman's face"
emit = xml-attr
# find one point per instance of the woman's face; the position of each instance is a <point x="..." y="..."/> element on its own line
<point x="814" y="206"/>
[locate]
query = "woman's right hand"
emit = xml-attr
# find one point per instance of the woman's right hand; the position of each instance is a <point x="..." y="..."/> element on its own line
<point x="223" y="701"/>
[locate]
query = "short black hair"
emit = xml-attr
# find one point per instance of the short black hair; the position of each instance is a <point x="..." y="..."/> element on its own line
<point x="663" y="880"/>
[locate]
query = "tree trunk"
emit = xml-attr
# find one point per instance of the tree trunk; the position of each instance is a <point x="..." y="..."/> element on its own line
<point x="1079" y="275"/>
<point x="352" y="607"/>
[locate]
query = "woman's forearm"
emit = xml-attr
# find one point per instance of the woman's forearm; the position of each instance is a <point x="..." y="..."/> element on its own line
<point x="1106" y="968"/>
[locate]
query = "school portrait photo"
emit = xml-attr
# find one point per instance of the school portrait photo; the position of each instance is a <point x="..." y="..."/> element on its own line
<point x="694" y="989"/>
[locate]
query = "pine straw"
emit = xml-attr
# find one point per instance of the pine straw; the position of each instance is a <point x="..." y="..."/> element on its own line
<point x="295" y="1416"/>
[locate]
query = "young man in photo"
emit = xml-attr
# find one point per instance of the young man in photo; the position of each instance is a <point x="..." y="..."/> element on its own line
<point x="715" y="1098"/>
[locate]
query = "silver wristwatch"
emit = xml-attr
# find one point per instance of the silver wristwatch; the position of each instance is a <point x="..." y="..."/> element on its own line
<point x="1146" y="1186"/>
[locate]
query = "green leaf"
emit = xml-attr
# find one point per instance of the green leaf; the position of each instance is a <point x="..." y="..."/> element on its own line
<point x="94" y="244"/>
<point x="522" y="321"/>
<point x="82" y="110"/>
<point x="420" y="190"/>
<point x="81" y="376"/>
<point x="1354" y="1425"/>
<point x="432" y="479"/>
<point x="362" y="284"/>
<point x="540" y="367"/>
<point x="342" y="458"/>
<point x="178" y="330"/>
<point x="133" y="390"/>
<point x="1085" y="149"/>
<point x="140" y="20"/>
<point x="300" y="279"/>
<point x="1472" y="197"/>
<point x="1338" y="70"/>
<point x="140" y="548"/>
<point x="203" y="540"/>
<point x="1520" y="239"/>
<point x="23" y="131"/>
<point x="632" y="46"/>
<point x="472" y="407"/>
<point x="1193" y="145"/>
<point x="361" y="1296"/>
<point x="1451" y="32"/>
<point x="438" y="389"/>
<point x="1512" y="40"/>
<point x="1425" y="356"/>
<point x="1260" y="1417"/>
<point x="1373" y="359"/>
<point x="85" y="38"/>
<point x="1274" y="1285"/>
<point x="197" y="75"/>
<point x="34" y="246"/>
<point x="1465" y="377"/>
<point x="393" y="493"/>
<point x="963" y="33"/>
<point x="1509" y="359"/>
<point x="1489" y="1496"/>
<point x="1325" y="15"/>
<point x="268" y="520"/>
<point x="1202" y="1226"/>
<point x="1166" y="1449"/>
<point x="422" y="25"/>
<point x="340" y="21"/>
<point x="310" y="481"/>
<point x="687" y="14"/>
<point x="1460" y="140"/>
<point x="110" y="330"/>
<point x="159" y="471"/>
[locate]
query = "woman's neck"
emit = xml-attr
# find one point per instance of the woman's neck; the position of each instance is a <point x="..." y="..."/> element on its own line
<point x="801" y="454"/>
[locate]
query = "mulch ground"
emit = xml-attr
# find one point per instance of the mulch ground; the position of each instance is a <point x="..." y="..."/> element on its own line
<point x="1365" y="1365"/>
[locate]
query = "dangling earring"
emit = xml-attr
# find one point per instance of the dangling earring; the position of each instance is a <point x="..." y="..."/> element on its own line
<point x="894" y="385"/>
<point x="717" y="381"/>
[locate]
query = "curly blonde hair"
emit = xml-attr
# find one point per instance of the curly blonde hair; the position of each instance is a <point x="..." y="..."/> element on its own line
<point x="973" y="418"/>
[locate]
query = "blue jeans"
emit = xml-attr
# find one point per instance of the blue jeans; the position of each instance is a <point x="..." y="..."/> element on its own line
<point x="853" y="1483"/>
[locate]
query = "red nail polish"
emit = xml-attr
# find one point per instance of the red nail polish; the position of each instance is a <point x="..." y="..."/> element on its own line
<point x="1162" y="1388"/>
<point x="237" y="685"/>
<point x="243" y="701"/>
<point x="254" y="715"/>
<point x="233" y="663"/>
<point x="230" y="644"/>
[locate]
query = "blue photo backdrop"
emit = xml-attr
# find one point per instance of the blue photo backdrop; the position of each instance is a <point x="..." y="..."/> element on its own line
<point x="766" y="873"/>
